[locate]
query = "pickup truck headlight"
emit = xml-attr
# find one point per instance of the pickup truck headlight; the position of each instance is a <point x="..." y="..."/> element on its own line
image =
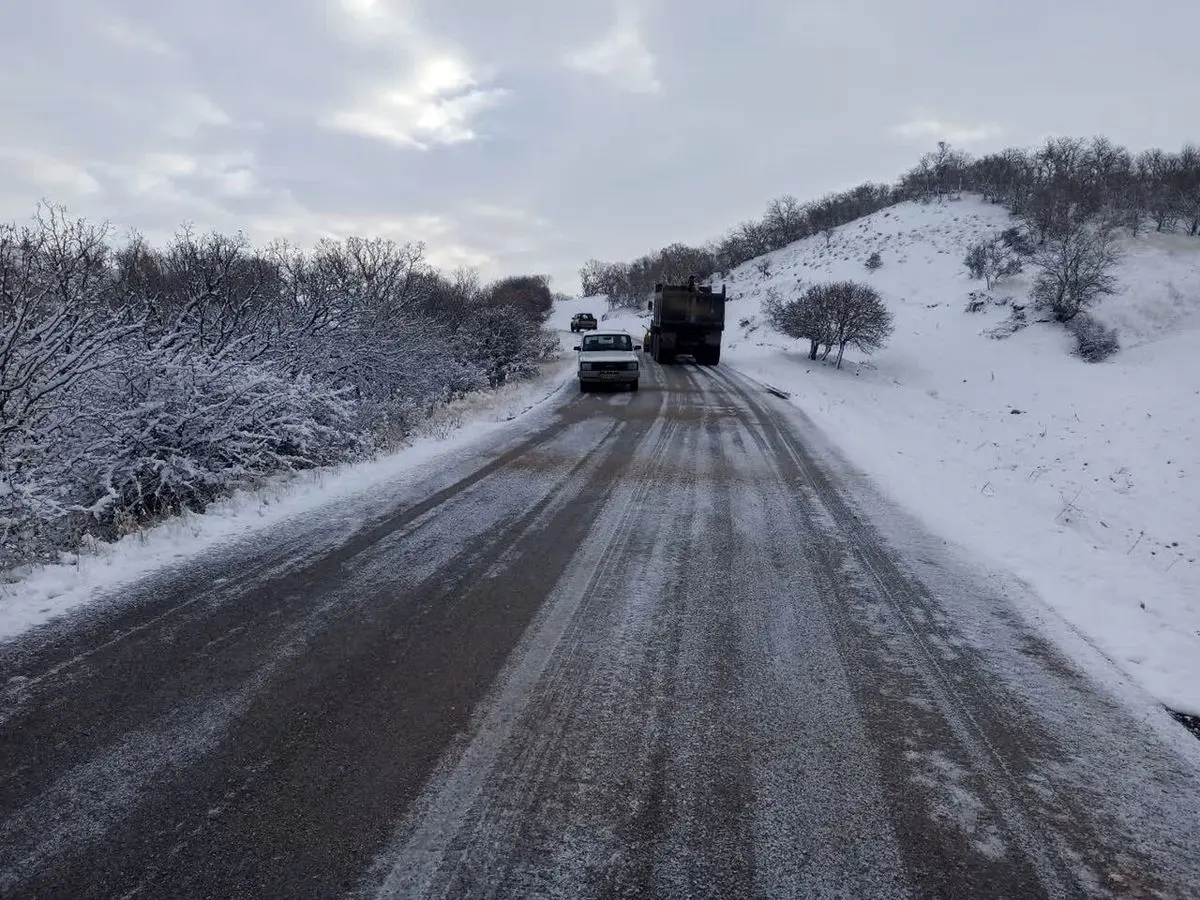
<point x="585" y="367"/>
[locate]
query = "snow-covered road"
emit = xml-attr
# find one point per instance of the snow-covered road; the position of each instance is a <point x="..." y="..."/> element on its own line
<point x="662" y="644"/>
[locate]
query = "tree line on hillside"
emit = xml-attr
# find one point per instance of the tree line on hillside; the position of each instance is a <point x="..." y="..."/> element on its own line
<point x="1058" y="190"/>
<point x="137" y="381"/>
<point x="786" y="220"/>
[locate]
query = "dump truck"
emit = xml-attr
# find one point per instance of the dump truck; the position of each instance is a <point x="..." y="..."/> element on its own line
<point x="687" y="320"/>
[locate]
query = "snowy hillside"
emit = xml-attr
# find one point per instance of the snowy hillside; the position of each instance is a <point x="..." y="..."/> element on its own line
<point x="1081" y="479"/>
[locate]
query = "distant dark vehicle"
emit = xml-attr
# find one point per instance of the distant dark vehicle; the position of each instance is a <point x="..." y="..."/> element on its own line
<point x="687" y="320"/>
<point x="583" y="322"/>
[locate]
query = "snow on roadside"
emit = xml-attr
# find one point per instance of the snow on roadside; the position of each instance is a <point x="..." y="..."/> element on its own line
<point x="1080" y="479"/>
<point x="44" y="593"/>
<point x="633" y="321"/>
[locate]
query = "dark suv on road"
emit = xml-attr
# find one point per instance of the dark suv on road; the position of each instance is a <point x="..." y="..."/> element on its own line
<point x="583" y="322"/>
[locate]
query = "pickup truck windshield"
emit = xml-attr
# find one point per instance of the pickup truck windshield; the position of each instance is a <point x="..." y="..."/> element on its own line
<point x="601" y="342"/>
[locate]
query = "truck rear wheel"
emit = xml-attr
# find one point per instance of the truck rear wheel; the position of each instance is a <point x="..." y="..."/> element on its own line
<point x="661" y="356"/>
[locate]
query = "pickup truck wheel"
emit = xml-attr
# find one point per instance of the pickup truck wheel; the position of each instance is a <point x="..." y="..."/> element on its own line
<point x="633" y="386"/>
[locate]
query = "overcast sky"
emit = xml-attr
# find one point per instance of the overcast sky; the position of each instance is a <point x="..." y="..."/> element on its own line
<point x="530" y="135"/>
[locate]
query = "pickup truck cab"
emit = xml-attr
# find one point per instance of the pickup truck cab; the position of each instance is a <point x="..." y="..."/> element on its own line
<point x="583" y="322"/>
<point x="608" y="357"/>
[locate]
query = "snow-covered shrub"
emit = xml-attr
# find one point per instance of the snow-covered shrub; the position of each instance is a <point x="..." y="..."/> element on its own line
<point x="162" y="428"/>
<point x="1017" y="240"/>
<point x="1017" y="319"/>
<point x="874" y="261"/>
<point x="185" y="425"/>
<point x="139" y="382"/>
<point x="992" y="260"/>
<point x="503" y="345"/>
<point x="1094" y="341"/>
<point x="55" y="325"/>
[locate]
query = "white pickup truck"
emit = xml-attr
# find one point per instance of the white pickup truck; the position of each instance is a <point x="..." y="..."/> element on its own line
<point x="608" y="357"/>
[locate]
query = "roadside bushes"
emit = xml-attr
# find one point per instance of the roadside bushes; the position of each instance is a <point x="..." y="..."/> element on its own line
<point x="136" y="382"/>
<point x="503" y="344"/>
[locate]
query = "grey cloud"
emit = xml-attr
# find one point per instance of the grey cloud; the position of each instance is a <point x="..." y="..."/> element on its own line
<point x="285" y="117"/>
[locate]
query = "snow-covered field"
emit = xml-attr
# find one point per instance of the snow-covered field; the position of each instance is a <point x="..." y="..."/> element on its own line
<point x="45" y="592"/>
<point x="1081" y="479"/>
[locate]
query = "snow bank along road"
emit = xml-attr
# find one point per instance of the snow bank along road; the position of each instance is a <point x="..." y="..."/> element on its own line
<point x="654" y="647"/>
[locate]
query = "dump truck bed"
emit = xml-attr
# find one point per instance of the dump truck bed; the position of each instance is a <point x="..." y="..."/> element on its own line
<point x="683" y="307"/>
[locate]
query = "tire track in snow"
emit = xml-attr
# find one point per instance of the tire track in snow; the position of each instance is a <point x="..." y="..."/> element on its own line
<point x="994" y="791"/>
<point x="423" y="860"/>
<point x="105" y="786"/>
<point x="638" y="762"/>
<point x="1051" y="875"/>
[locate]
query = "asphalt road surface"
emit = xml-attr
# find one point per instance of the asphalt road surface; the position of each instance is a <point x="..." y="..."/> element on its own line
<point x="661" y="644"/>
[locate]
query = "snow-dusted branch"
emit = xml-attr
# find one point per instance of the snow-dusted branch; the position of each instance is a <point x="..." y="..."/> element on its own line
<point x="139" y="381"/>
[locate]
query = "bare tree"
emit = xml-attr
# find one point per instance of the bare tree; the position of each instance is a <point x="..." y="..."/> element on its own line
<point x="992" y="260"/>
<point x="838" y="314"/>
<point x="593" y="277"/>
<point x="806" y="318"/>
<point x="1157" y="171"/>
<point x="941" y="173"/>
<point x="948" y="166"/>
<point x="860" y="319"/>
<point x="785" y="221"/>
<point x="1187" y="187"/>
<point x="1075" y="269"/>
